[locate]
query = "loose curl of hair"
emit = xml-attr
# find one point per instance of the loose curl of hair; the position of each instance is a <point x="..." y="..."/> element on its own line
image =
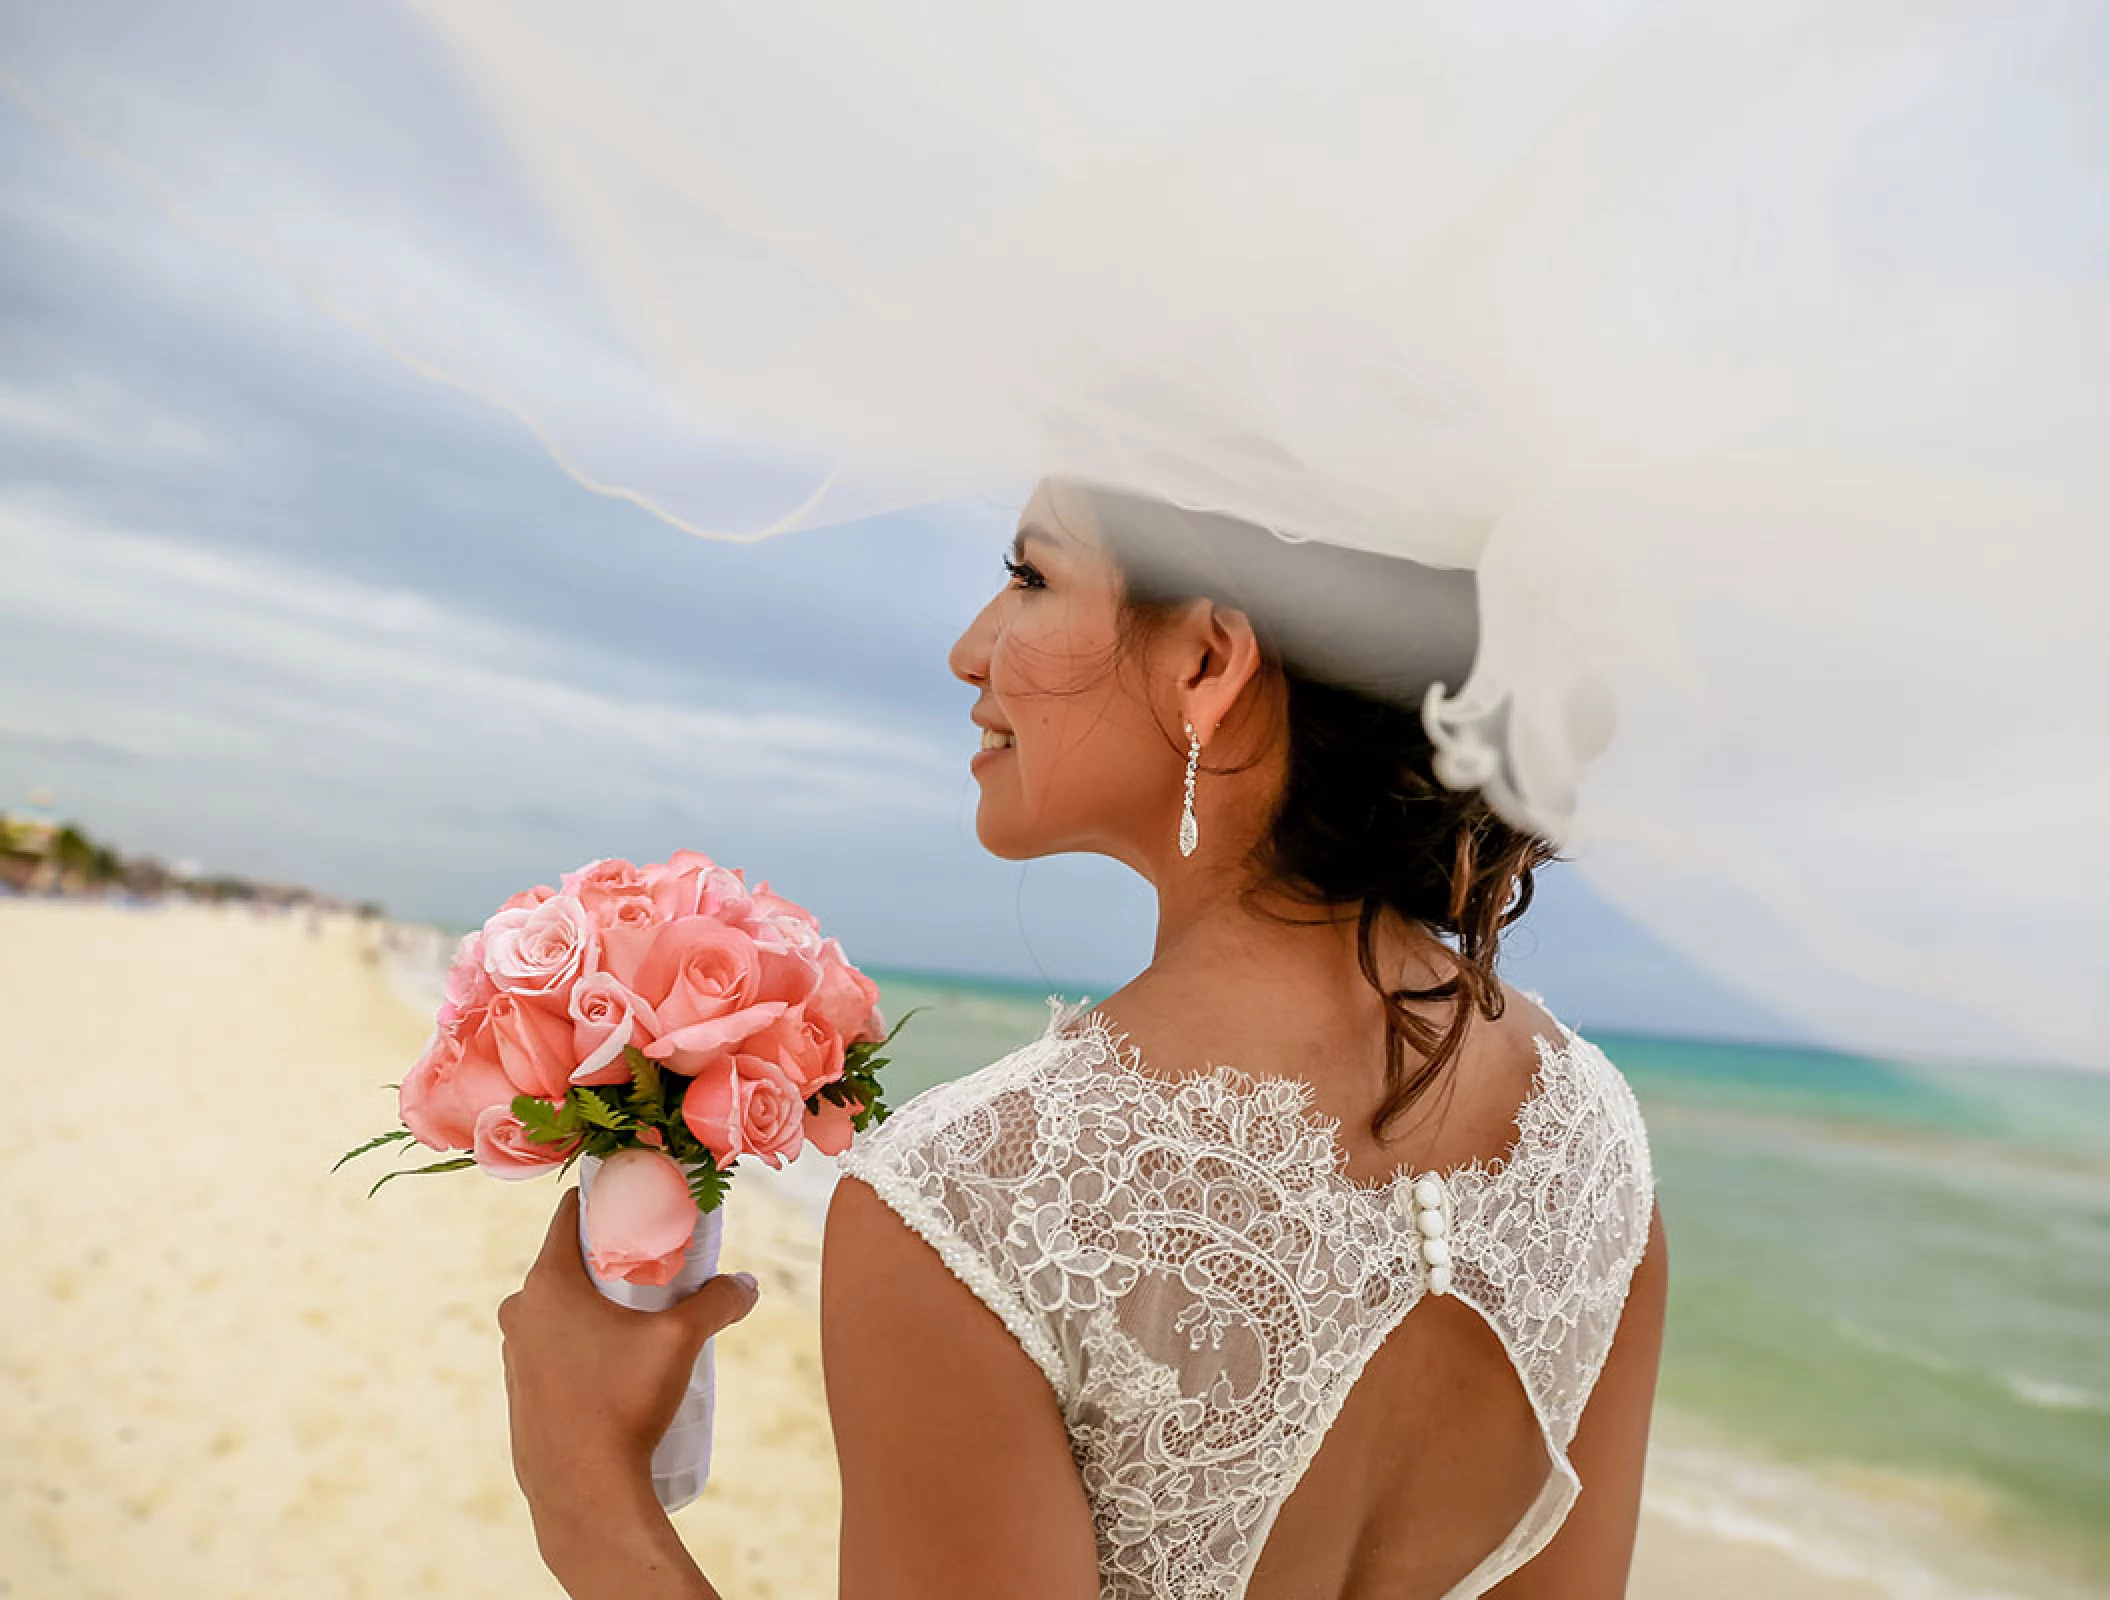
<point x="1363" y="821"/>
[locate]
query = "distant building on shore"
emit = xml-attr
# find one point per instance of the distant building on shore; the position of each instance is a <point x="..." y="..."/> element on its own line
<point x="29" y="844"/>
<point x="41" y="854"/>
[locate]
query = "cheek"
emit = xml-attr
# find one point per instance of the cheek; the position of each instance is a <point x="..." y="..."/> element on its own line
<point x="1025" y="659"/>
<point x="1042" y="694"/>
<point x="1052" y="669"/>
<point x="1055" y="645"/>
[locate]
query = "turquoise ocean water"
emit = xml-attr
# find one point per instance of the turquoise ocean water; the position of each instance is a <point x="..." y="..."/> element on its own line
<point x="1890" y="1295"/>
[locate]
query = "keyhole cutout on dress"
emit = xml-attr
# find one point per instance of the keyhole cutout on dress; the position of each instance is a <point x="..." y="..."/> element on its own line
<point x="1434" y="1459"/>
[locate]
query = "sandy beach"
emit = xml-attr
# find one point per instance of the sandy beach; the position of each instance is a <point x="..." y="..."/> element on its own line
<point x="229" y="1373"/>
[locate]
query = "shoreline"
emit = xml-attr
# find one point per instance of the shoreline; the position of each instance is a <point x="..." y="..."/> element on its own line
<point x="238" y="1375"/>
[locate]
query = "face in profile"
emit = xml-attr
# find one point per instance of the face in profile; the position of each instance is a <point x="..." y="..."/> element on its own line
<point x="1083" y="749"/>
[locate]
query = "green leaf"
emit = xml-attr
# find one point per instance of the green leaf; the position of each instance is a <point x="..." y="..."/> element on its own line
<point x="862" y="1088"/>
<point x="707" y="1185"/>
<point x="645" y="1082"/>
<point x="540" y="1118"/>
<point x="868" y="1048"/>
<point x="454" y="1165"/>
<point x="598" y="1111"/>
<point x="682" y="1143"/>
<point x="374" y="1143"/>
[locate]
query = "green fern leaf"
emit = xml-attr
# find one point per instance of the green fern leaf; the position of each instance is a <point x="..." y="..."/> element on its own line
<point x="540" y="1119"/>
<point x="374" y="1143"/>
<point x="454" y="1165"/>
<point x="597" y="1111"/>
<point x="645" y="1082"/>
<point x="708" y="1185"/>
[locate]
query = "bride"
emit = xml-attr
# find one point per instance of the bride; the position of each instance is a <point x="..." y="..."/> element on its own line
<point x="1315" y="1261"/>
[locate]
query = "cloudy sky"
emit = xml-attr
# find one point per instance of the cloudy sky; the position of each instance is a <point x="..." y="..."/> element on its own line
<point x="275" y="605"/>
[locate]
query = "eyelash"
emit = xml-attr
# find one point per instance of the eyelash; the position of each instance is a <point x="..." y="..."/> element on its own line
<point x="1025" y="573"/>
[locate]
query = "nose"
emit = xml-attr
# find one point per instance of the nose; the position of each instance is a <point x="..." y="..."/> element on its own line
<point x="969" y="656"/>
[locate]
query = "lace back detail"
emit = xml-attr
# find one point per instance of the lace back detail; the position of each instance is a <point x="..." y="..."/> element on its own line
<point x="1201" y="1282"/>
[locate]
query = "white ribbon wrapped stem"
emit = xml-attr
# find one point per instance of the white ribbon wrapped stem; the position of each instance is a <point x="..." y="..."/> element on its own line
<point x="681" y="1463"/>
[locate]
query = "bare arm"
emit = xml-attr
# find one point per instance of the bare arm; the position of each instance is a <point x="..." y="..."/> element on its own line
<point x="956" y="1468"/>
<point x="613" y="1542"/>
<point x="590" y="1387"/>
<point x="957" y="1478"/>
<point x="1588" y="1559"/>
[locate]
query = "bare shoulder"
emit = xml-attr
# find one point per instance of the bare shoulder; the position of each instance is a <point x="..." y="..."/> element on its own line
<point x="956" y="1471"/>
<point x="1527" y="1014"/>
<point x="1589" y="1558"/>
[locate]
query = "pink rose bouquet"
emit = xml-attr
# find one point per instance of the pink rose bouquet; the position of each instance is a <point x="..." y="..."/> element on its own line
<point x="660" y="1022"/>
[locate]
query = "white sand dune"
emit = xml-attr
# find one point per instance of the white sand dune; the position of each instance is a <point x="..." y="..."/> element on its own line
<point x="228" y="1373"/>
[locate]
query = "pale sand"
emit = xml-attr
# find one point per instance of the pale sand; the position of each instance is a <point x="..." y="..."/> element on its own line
<point x="230" y="1374"/>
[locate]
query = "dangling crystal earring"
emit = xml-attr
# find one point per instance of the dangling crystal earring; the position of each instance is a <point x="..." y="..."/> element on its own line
<point x="1190" y="836"/>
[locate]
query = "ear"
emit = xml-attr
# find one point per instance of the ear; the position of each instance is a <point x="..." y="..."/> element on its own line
<point x="1223" y="658"/>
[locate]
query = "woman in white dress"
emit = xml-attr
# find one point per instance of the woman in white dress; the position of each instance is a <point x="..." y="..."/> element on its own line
<point x="1315" y="1261"/>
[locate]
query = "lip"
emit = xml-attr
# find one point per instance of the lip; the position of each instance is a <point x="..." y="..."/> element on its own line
<point x="976" y="761"/>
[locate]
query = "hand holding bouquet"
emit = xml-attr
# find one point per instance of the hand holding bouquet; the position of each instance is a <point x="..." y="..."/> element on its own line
<point x="660" y="1022"/>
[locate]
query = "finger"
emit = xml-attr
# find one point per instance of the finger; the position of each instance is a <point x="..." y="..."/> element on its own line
<point x="560" y="1246"/>
<point x="721" y="1302"/>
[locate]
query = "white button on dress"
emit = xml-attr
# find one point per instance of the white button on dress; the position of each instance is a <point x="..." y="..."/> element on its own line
<point x="1431" y="1198"/>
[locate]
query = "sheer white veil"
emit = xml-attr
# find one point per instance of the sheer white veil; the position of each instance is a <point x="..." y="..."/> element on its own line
<point x="1750" y="357"/>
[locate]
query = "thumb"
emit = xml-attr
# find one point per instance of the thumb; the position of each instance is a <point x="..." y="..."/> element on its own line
<point x="721" y="1302"/>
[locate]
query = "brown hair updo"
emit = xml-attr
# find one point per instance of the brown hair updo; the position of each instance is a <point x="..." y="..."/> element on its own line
<point x="1351" y="641"/>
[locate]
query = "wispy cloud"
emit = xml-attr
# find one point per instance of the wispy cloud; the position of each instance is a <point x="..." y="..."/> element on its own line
<point x="272" y="602"/>
<point x="258" y="668"/>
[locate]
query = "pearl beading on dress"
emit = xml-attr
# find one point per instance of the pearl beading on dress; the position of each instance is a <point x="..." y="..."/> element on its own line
<point x="1428" y="1204"/>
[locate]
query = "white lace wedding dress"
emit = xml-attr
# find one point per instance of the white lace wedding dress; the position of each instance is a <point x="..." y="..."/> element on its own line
<point x="1202" y="1283"/>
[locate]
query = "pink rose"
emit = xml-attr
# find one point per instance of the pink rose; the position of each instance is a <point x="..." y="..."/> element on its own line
<point x="809" y="1051"/>
<point x="780" y="925"/>
<point x="766" y="902"/>
<point x="624" y="946"/>
<point x="615" y="895"/>
<point x="468" y="985"/>
<point x="528" y="899"/>
<point x="847" y="998"/>
<point x="788" y="952"/>
<point x="454" y="1082"/>
<point x="539" y="950"/>
<point x="534" y="1045"/>
<point x="639" y="1217"/>
<point x="829" y="1129"/>
<point x="783" y="973"/>
<point x="504" y="1149"/>
<point x="606" y="1018"/>
<point x="746" y="1106"/>
<point x="692" y="885"/>
<point x="677" y="884"/>
<point x="609" y="874"/>
<point x="471" y="1020"/>
<point x="702" y="980"/>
